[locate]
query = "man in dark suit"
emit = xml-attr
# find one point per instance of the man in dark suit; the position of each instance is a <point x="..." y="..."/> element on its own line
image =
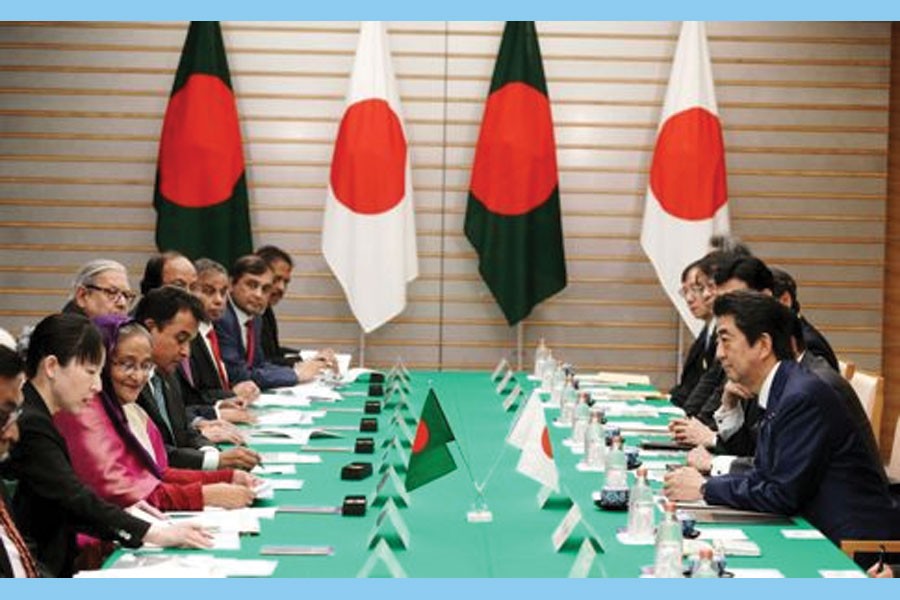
<point x="239" y="331"/>
<point x="16" y="559"/>
<point x="730" y="273"/>
<point x="207" y="391"/>
<point x="172" y="315"/>
<point x="282" y="267"/>
<point x="785" y="291"/>
<point x="701" y="355"/>
<point x="811" y="459"/>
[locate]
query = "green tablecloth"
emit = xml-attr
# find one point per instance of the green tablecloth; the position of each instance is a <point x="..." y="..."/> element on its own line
<point x="517" y="543"/>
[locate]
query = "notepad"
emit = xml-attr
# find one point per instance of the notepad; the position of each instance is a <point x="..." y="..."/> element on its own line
<point x="290" y="457"/>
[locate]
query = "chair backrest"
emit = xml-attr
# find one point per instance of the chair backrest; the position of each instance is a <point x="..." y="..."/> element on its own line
<point x="893" y="466"/>
<point x="847" y="369"/>
<point x="870" y="389"/>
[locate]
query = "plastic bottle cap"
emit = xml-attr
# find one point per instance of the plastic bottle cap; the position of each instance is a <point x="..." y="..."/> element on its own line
<point x="670" y="506"/>
<point x="641" y="471"/>
<point x="706" y="553"/>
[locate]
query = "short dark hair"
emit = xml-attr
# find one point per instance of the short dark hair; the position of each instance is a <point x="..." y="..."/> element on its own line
<point x="712" y="263"/>
<point x="783" y="282"/>
<point x="251" y="263"/>
<point x="756" y="314"/>
<point x="11" y="364"/>
<point x="270" y="254"/>
<point x="153" y="270"/>
<point x="748" y="269"/>
<point x="799" y="340"/>
<point x="162" y="304"/>
<point x="66" y="336"/>
<point x="687" y="269"/>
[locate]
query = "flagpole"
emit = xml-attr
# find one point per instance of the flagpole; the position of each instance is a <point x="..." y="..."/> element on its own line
<point x="520" y="343"/>
<point x="362" y="348"/>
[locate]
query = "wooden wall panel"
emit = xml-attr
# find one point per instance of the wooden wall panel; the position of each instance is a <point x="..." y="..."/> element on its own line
<point x="804" y="107"/>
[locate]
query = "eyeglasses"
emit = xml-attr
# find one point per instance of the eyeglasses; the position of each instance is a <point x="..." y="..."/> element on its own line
<point x="694" y="290"/>
<point x="11" y="419"/>
<point x="131" y="368"/>
<point x="114" y="293"/>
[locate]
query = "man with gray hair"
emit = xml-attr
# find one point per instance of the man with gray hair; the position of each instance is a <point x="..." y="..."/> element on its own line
<point x="100" y="288"/>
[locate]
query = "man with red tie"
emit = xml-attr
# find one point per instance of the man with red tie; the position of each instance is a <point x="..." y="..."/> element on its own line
<point x="239" y="331"/>
<point x="208" y="393"/>
<point x="16" y="559"/>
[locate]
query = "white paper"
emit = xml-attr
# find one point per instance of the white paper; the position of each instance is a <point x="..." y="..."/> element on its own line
<point x="290" y="457"/>
<point x="353" y="374"/>
<point x="274" y="470"/>
<point x="242" y="567"/>
<point x="265" y="490"/>
<point x="708" y="533"/>
<point x="287" y="399"/>
<point x="841" y="574"/>
<point x="288" y="417"/>
<point x="756" y="573"/>
<point x="611" y="377"/>
<point x="286" y="484"/>
<point x="343" y="359"/>
<point x="802" y="534"/>
<point x="627" y="539"/>
<point x="638" y="427"/>
<point x="281" y="435"/>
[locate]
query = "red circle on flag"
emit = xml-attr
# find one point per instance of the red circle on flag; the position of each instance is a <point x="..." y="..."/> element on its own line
<point x="688" y="171"/>
<point x="422" y="437"/>
<point x="200" y="155"/>
<point x="515" y="160"/>
<point x="368" y="169"/>
<point x="545" y="443"/>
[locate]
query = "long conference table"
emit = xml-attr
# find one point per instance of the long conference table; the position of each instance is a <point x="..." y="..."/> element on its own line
<point x="442" y="542"/>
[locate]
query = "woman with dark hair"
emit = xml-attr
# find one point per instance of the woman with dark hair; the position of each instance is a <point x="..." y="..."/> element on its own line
<point x="117" y="450"/>
<point x="51" y="505"/>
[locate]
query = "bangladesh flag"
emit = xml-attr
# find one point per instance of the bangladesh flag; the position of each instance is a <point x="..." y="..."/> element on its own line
<point x="513" y="212"/>
<point x="430" y="456"/>
<point x="201" y="189"/>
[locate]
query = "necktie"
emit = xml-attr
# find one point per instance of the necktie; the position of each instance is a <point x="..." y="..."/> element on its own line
<point x="186" y="369"/>
<point x="251" y="343"/>
<point x="213" y="338"/>
<point x="13" y="534"/>
<point x="156" y="390"/>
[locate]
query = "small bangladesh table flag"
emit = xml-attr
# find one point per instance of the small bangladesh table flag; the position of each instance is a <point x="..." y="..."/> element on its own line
<point x="430" y="456"/>
<point x="201" y="189"/>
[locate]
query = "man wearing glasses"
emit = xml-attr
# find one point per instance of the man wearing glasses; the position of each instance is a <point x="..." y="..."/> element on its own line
<point x="15" y="557"/>
<point x="101" y="288"/>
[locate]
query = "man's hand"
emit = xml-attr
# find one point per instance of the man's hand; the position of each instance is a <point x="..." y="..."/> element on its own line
<point x="245" y="479"/>
<point x="692" y="432"/>
<point x="238" y="458"/>
<point x="885" y="572"/>
<point x="247" y="391"/>
<point x="683" y="484"/>
<point x="733" y="393"/>
<point x="219" y="431"/>
<point x="236" y="415"/>
<point x="307" y="370"/>
<point x="227" y="495"/>
<point x="700" y="459"/>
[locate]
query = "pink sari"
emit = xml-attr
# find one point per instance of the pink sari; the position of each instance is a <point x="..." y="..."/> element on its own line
<point x="117" y="471"/>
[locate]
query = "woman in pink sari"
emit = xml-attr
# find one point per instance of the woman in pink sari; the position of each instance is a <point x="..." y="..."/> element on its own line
<point x="118" y="452"/>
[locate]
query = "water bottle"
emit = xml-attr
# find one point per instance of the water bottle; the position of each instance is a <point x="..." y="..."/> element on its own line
<point x="719" y="562"/>
<point x="668" y="562"/>
<point x="595" y="442"/>
<point x="641" y="518"/>
<point x="616" y="466"/>
<point x="558" y="382"/>
<point x="540" y="355"/>
<point x="567" y="401"/>
<point x="705" y="568"/>
<point x="547" y="372"/>
<point x="580" y="419"/>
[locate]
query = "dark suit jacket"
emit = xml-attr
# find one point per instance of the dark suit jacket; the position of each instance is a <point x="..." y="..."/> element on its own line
<point x="202" y="389"/>
<point x="811" y="461"/>
<point x="51" y="504"/>
<point x="72" y="308"/>
<point x="263" y="373"/>
<point x="697" y="361"/>
<point x="182" y="441"/>
<point x="274" y="352"/>
<point x="706" y="396"/>
<point x="817" y="344"/>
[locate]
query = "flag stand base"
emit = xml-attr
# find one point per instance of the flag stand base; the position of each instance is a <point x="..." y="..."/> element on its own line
<point x="479" y="515"/>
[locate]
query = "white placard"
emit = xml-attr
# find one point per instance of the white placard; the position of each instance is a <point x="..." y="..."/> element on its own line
<point x="512" y="397"/>
<point x="384" y="555"/>
<point x="566" y="527"/>
<point x="388" y="520"/>
<point x="274" y="470"/>
<point x="391" y="486"/>
<point x="581" y="568"/>
<point x="841" y="574"/>
<point x="504" y="382"/>
<point x="503" y="364"/>
<point x="802" y="534"/>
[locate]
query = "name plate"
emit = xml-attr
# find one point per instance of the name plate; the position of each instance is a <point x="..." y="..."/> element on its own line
<point x="399" y="423"/>
<point x="395" y="451"/>
<point x="390" y="486"/>
<point x="387" y="523"/>
<point x="504" y="382"/>
<point x="512" y="397"/>
<point x="382" y="555"/>
<point x="565" y="528"/>
<point x="501" y="366"/>
<point x="581" y="568"/>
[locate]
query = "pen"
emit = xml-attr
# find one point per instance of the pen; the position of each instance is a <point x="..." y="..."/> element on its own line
<point x="881" y="553"/>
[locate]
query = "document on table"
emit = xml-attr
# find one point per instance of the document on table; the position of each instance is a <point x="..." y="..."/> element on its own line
<point x="281" y="435"/>
<point x="290" y="457"/>
<point x="638" y="427"/>
<point x="351" y="375"/>
<point x="343" y="359"/>
<point x="184" y="565"/>
<point x="618" y="409"/>
<point x="802" y="534"/>
<point x="289" y="417"/>
<point x="756" y="573"/>
<point x="286" y="484"/>
<point x="274" y="470"/>
<point x="285" y="399"/>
